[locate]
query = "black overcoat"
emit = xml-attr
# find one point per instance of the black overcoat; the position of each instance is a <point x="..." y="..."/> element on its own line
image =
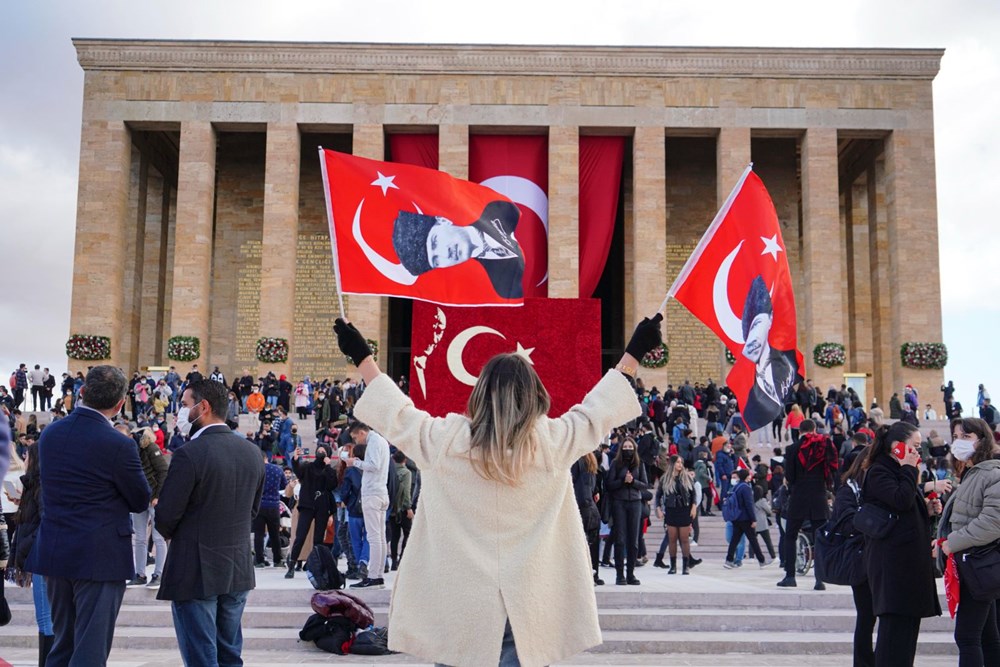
<point x="807" y="488"/>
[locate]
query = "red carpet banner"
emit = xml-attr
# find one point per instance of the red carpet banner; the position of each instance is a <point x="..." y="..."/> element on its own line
<point x="741" y="261"/>
<point x="518" y="168"/>
<point x="402" y="230"/>
<point x="450" y="346"/>
<point x="600" y="180"/>
<point x="418" y="149"/>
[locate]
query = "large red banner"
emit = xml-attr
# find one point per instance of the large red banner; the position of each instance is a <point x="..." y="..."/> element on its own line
<point x="402" y="230"/>
<point x="450" y="346"/>
<point x="518" y="168"/>
<point x="741" y="261"/>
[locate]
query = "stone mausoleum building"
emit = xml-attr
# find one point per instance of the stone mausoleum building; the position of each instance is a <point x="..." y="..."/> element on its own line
<point x="201" y="210"/>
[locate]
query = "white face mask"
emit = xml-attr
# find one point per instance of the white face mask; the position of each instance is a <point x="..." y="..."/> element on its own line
<point x="963" y="449"/>
<point x="182" y="421"/>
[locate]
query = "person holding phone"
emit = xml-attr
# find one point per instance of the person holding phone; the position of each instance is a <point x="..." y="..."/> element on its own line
<point x="900" y="568"/>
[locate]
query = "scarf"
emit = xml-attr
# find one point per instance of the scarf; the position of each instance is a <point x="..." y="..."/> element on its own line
<point x="816" y="450"/>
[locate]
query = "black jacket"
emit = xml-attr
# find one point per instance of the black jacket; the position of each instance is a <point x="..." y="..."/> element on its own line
<point x="807" y="499"/>
<point x="211" y="494"/>
<point x="584" y="488"/>
<point x="900" y="568"/>
<point x="618" y="490"/>
<point x="318" y="482"/>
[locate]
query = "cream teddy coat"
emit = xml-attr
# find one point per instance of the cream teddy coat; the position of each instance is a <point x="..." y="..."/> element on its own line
<point x="481" y="552"/>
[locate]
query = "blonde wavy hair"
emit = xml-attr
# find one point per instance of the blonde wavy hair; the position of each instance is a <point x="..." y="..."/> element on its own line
<point x="504" y="405"/>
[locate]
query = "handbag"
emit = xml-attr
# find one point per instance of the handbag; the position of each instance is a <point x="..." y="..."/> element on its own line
<point x="839" y="557"/>
<point x="874" y="521"/>
<point x="979" y="569"/>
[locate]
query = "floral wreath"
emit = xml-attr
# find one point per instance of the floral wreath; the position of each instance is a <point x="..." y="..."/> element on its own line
<point x="272" y="350"/>
<point x="829" y="355"/>
<point x="657" y="357"/>
<point x="924" y="355"/>
<point x="730" y="357"/>
<point x="88" y="348"/>
<point x="373" y="346"/>
<point x="183" y="348"/>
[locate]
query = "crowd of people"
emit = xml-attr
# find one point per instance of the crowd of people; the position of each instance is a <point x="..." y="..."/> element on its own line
<point x="686" y="454"/>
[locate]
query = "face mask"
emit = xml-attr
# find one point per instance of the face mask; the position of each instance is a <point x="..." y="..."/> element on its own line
<point x="627" y="454"/>
<point x="182" y="421"/>
<point x="963" y="449"/>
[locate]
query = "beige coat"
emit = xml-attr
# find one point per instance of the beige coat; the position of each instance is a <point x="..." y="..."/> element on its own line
<point x="480" y="551"/>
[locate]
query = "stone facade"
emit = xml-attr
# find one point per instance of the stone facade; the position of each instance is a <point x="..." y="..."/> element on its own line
<point x="201" y="211"/>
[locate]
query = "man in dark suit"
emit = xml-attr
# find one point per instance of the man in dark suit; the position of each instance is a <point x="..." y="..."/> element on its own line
<point x="91" y="481"/>
<point x="211" y="493"/>
<point x="810" y="469"/>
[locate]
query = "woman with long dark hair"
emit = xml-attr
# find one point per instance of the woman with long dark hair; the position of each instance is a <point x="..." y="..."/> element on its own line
<point x="899" y="565"/>
<point x="975" y="521"/>
<point x="585" y="487"/>
<point x="625" y="483"/>
<point x="496" y="550"/>
<point x="675" y="504"/>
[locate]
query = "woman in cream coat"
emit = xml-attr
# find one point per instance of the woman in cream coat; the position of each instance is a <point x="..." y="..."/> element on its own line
<point x="515" y="569"/>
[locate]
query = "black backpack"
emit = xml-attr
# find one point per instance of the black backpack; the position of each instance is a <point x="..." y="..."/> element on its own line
<point x="332" y="635"/>
<point x="321" y="568"/>
<point x="372" y="642"/>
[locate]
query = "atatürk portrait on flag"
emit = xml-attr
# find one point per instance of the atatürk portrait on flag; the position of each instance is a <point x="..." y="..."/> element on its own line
<point x="774" y="370"/>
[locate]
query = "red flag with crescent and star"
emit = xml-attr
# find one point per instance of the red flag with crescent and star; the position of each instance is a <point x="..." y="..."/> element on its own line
<point x="408" y="231"/>
<point x="561" y="338"/>
<point x="737" y="282"/>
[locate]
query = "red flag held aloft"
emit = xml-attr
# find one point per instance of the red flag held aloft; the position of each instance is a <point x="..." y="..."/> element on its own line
<point x="740" y="266"/>
<point x="403" y="230"/>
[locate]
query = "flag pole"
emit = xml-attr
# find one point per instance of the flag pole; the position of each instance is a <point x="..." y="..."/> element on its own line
<point x="333" y="235"/>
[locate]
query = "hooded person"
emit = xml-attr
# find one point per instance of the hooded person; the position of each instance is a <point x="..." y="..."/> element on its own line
<point x="427" y="242"/>
<point x="775" y="371"/>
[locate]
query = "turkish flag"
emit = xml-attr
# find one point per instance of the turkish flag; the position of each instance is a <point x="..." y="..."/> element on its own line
<point x="518" y="167"/>
<point x="408" y="231"/>
<point x="560" y="337"/>
<point x="740" y="266"/>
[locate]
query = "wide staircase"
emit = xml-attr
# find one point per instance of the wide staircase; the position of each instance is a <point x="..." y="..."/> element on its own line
<point x="712" y="617"/>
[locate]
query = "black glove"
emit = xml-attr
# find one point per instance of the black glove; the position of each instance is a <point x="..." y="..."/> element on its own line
<point x="645" y="337"/>
<point x="351" y="342"/>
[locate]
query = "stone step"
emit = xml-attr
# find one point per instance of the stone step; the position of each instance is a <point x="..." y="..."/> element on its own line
<point x="660" y="620"/>
<point x="27" y="657"/>
<point x="615" y="641"/>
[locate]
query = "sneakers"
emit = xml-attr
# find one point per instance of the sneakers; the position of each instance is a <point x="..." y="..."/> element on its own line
<point x="137" y="580"/>
<point x="597" y="580"/>
<point x="788" y="582"/>
<point x="729" y="565"/>
<point x="370" y="583"/>
<point x="693" y="543"/>
<point x="154" y="582"/>
<point x="352" y="575"/>
<point x="766" y="563"/>
<point x="605" y="563"/>
<point x="260" y="564"/>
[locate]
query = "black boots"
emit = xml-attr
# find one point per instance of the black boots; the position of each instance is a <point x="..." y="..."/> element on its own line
<point x="673" y="565"/>
<point x="597" y="579"/>
<point x="291" y="568"/>
<point x="684" y="561"/>
<point x="659" y="562"/>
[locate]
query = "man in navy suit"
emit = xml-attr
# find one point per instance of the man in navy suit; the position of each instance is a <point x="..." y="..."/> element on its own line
<point x="91" y="481"/>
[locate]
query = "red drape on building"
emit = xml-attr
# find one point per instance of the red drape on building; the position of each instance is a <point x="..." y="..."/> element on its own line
<point x="418" y="149"/>
<point x="518" y="168"/>
<point x="600" y="178"/>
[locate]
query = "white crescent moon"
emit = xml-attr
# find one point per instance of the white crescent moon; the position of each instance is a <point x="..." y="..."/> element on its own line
<point x="457" y="347"/>
<point x="731" y="325"/>
<point x="522" y="191"/>
<point x="394" y="272"/>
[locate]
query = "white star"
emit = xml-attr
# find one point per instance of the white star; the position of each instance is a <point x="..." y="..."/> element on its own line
<point x="771" y="246"/>
<point x="525" y="352"/>
<point x="384" y="182"/>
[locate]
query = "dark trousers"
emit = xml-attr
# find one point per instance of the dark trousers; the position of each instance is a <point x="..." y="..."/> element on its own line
<point x="781" y="537"/>
<point x="628" y="514"/>
<point x="594" y="542"/>
<point x="897" y="640"/>
<point x="37" y="397"/>
<point x="766" y="536"/>
<point x="210" y="631"/>
<point x="306" y="516"/>
<point x="864" y="625"/>
<point x="976" y="631"/>
<point x="83" y="620"/>
<point x="792" y="528"/>
<point x="18" y="397"/>
<point x="398" y="528"/>
<point x="741" y="528"/>
<point x="609" y="542"/>
<point x="267" y="518"/>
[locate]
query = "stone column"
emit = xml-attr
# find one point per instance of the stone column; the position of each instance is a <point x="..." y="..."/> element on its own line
<point x="369" y="312"/>
<point x="564" y="212"/>
<point x="883" y="356"/>
<point x="148" y="306"/>
<point x="192" y="271"/>
<point x="134" y="259"/>
<point x="646" y="239"/>
<point x="279" y="241"/>
<point x="914" y="274"/>
<point x="732" y="155"/>
<point x="453" y="150"/>
<point x="101" y="228"/>
<point x="859" y="280"/>
<point x="821" y="306"/>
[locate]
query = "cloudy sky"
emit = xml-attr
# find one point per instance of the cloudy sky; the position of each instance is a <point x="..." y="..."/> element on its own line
<point x="41" y="87"/>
